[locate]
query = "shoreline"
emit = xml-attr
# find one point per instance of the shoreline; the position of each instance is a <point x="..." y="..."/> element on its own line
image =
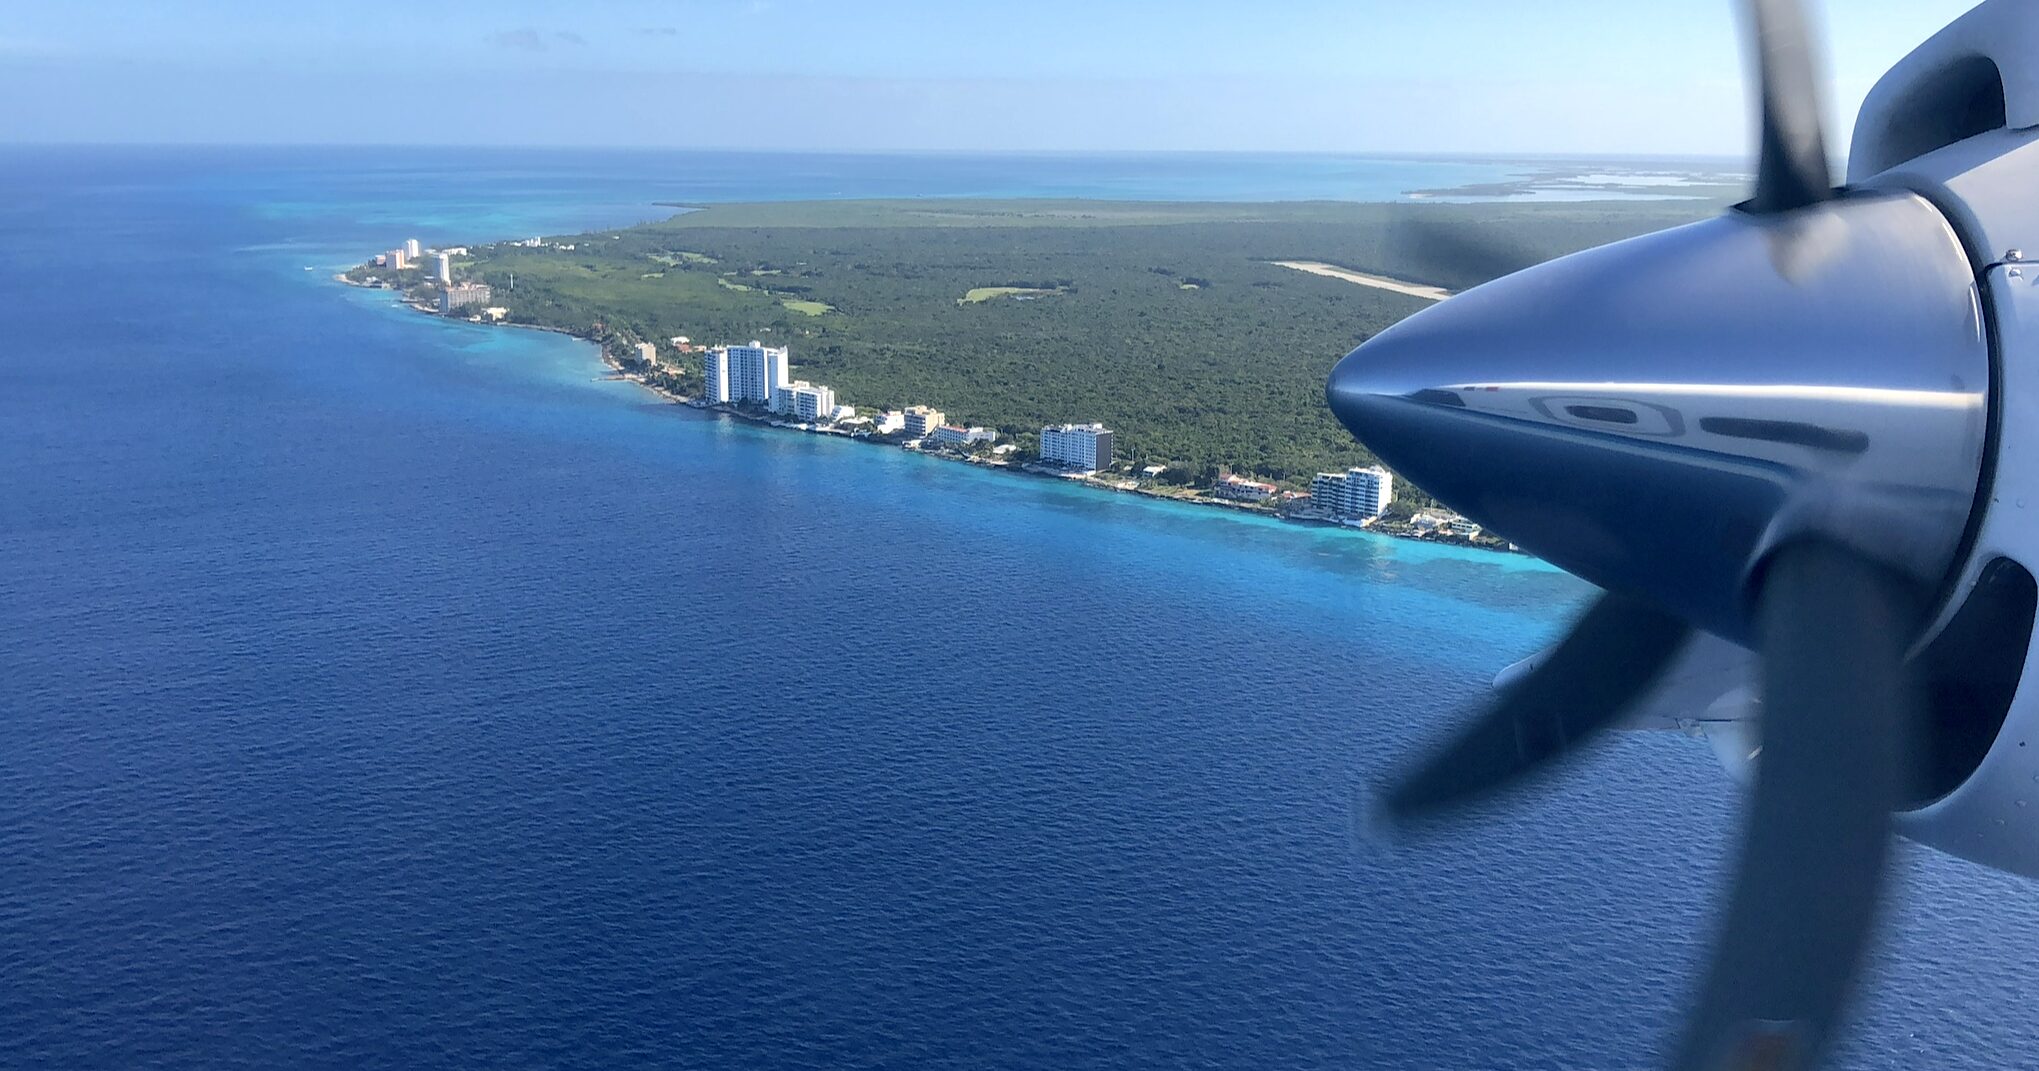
<point x="1118" y="487"/>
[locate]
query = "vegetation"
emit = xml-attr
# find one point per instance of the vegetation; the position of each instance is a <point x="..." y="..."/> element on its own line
<point x="1168" y="322"/>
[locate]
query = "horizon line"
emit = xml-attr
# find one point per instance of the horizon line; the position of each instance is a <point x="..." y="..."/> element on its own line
<point x="1742" y="160"/>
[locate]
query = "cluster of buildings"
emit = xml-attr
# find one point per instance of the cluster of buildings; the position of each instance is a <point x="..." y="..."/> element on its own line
<point x="927" y="424"/>
<point x="761" y="375"/>
<point x="411" y="256"/>
<point x="403" y="257"/>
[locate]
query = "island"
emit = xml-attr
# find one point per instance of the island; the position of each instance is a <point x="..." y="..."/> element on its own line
<point x="1198" y="335"/>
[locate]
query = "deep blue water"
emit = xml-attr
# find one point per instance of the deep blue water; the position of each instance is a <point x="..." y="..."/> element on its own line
<point x="384" y="692"/>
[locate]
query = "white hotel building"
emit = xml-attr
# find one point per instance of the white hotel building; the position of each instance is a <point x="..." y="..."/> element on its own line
<point x="1086" y="447"/>
<point x="1355" y="494"/>
<point x="752" y="373"/>
<point x="804" y="401"/>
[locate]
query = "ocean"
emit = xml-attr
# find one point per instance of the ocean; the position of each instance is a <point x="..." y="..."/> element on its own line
<point x="385" y="692"/>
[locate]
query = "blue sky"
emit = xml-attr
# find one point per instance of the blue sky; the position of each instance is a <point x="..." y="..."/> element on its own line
<point x="1475" y="76"/>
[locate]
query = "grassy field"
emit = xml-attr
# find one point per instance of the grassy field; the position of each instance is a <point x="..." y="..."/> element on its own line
<point x="1172" y="323"/>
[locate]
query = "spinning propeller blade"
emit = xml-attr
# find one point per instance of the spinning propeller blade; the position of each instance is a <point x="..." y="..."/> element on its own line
<point x="1838" y="701"/>
<point x="1791" y="165"/>
<point x="1608" y="659"/>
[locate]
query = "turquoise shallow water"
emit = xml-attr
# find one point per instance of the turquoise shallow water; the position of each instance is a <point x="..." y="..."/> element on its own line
<point x="385" y="692"/>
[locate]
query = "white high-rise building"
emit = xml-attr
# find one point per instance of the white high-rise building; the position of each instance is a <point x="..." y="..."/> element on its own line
<point x="411" y="249"/>
<point x="445" y="268"/>
<point x="647" y="352"/>
<point x="1086" y="447"/>
<point x="745" y="373"/>
<point x="715" y="374"/>
<point x="804" y="401"/>
<point x="1354" y="493"/>
<point x="921" y="421"/>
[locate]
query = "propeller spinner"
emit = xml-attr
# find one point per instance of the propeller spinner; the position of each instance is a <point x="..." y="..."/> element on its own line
<point x="1769" y="426"/>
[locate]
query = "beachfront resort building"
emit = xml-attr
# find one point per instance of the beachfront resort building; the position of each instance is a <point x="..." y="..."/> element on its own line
<point x="955" y="435"/>
<point x="445" y="272"/>
<point x="889" y="421"/>
<point x="398" y="260"/>
<point x="454" y="297"/>
<point x="745" y="373"/>
<point x="1355" y="494"/>
<point x="804" y="401"/>
<point x="921" y="421"/>
<point x="1240" y="489"/>
<point x="1083" y="447"/>
<point x="647" y="352"/>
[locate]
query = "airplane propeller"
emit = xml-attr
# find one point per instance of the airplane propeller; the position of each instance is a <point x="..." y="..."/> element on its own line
<point x="1832" y="627"/>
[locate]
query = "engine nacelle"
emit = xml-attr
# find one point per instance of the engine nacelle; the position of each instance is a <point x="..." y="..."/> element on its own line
<point x="1957" y="122"/>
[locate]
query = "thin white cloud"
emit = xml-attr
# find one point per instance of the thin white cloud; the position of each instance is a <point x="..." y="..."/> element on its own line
<point x="533" y="39"/>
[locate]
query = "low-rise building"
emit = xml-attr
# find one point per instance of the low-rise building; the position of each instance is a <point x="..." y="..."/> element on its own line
<point x="1355" y="494"/>
<point x="889" y="421"/>
<point x="804" y="400"/>
<point x="922" y="421"/>
<point x="1084" y="447"/>
<point x="956" y="435"/>
<point x="462" y="295"/>
<point x="1240" y="489"/>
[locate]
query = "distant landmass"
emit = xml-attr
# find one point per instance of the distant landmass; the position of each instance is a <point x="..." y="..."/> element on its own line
<point x="1201" y="333"/>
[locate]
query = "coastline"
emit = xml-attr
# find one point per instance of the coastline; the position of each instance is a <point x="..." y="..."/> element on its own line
<point x="1394" y="530"/>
